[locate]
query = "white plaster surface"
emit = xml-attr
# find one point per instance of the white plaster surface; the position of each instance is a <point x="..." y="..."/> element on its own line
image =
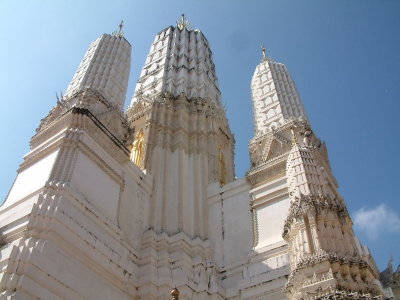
<point x="271" y="217"/>
<point x="96" y="186"/>
<point x="31" y="179"/>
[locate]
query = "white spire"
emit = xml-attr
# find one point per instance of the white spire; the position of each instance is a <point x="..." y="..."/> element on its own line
<point x="274" y="94"/>
<point x="264" y="56"/>
<point x="179" y="62"/>
<point x="105" y="68"/>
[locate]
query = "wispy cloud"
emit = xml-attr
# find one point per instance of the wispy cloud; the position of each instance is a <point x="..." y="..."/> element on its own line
<point x="376" y="220"/>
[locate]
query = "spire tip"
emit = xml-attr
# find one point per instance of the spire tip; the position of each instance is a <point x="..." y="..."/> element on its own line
<point x="264" y="56"/>
<point x="119" y="33"/>
<point x="183" y="23"/>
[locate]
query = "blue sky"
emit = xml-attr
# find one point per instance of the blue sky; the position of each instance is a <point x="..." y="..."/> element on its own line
<point x="343" y="55"/>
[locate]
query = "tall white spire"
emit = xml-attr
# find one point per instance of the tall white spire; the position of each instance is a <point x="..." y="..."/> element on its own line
<point x="274" y="94"/>
<point x="105" y="68"/>
<point x="179" y="61"/>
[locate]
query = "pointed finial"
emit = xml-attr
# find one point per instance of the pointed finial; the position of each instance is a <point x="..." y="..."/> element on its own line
<point x="119" y="33"/>
<point x="264" y="56"/>
<point x="183" y="23"/>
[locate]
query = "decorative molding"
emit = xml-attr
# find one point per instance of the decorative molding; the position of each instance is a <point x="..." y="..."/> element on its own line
<point x="255" y="227"/>
<point x="92" y="103"/>
<point x="314" y="204"/>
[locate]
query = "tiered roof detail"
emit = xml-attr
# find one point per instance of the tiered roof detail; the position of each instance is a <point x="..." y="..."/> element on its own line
<point x="274" y="94"/>
<point x="179" y="61"/>
<point x="105" y="69"/>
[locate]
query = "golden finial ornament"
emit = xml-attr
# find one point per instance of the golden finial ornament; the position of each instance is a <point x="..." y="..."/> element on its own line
<point x="264" y="55"/>
<point x="175" y="293"/>
<point x="183" y="23"/>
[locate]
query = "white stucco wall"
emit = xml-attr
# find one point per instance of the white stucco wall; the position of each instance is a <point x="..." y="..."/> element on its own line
<point x="271" y="203"/>
<point x="271" y="216"/>
<point x="31" y="179"/>
<point x="96" y="186"/>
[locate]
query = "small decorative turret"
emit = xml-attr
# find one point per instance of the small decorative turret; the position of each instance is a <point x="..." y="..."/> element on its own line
<point x="326" y="261"/>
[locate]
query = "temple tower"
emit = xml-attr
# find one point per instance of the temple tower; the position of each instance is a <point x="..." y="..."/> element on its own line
<point x="187" y="140"/>
<point x="295" y="193"/>
<point x="185" y="144"/>
<point x="277" y="110"/>
<point x="114" y="205"/>
<point x="326" y="258"/>
<point x="72" y="218"/>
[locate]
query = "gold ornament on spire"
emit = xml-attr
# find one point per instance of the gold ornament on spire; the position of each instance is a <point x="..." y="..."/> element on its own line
<point x="264" y="56"/>
<point x="183" y="23"/>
